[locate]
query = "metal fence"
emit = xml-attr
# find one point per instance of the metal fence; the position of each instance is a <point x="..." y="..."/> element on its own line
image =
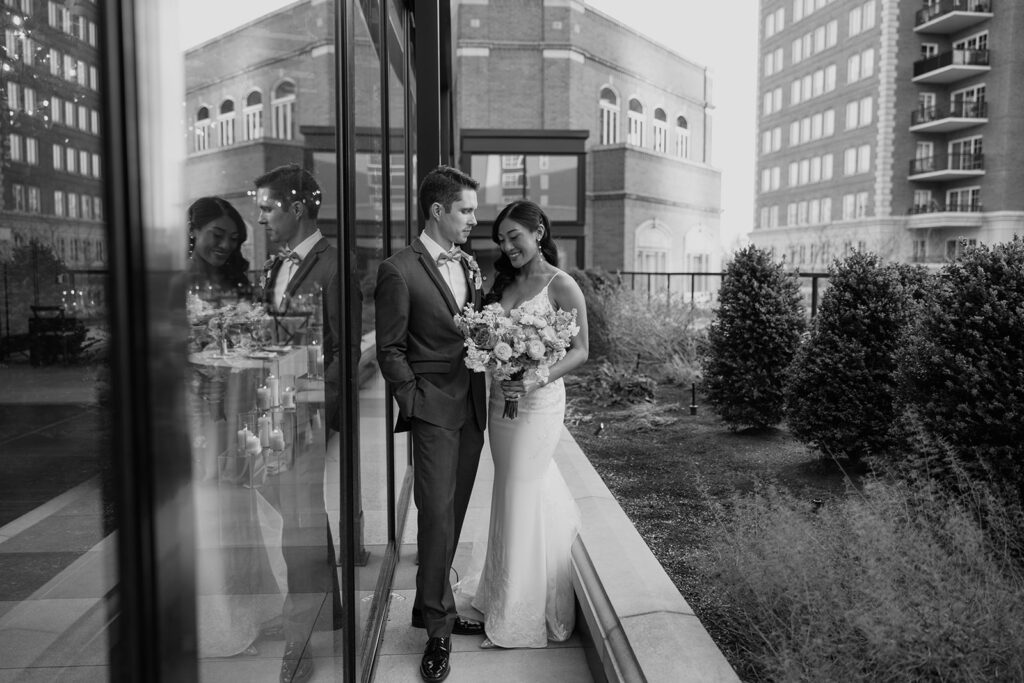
<point x="700" y="289"/>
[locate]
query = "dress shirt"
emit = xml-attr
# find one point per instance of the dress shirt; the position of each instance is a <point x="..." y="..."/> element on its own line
<point x="289" y="267"/>
<point x="452" y="271"/>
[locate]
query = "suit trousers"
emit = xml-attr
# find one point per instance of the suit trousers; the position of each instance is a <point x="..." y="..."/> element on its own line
<point x="444" y="469"/>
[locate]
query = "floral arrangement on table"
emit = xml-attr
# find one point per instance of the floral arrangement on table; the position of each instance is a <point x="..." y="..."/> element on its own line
<point x="516" y="344"/>
<point x="243" y="325"/>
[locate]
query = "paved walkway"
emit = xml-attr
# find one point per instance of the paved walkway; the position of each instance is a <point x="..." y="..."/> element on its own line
<point x="58" y="569"/>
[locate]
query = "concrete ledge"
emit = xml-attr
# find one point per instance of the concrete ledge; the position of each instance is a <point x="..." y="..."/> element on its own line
<point x="640" y="626"/>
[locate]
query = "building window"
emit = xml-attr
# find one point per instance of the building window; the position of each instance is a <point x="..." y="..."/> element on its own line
<point x="58" y="158"/>
<point x="97" y="208"/>
<point x="32" y="151"/>
<point x="652" y="248"/>
<point x="86" y="207"/>
<point x="70" y="160"/>
<point x="83" y="118"/>
<point x="549" y="180"/>
<point x="96" y="166"/>
<point x="660" y="131"/>
<point x="34" y="203"/>
<point x="226" y="124"/>
<point x="253" y="116"/>
<point x="58" y="202"/>
<point x="202" y="129"/>
<point x="966" y="154"/>
<point x="14" y="143"/>
<point x="682" y="138"/>
<point x="955" y="248"/>
<point x="609" y="117"/>
<point x="283" y="110"/>
<point x="637" y="134"/>
<point x="18" y="191"/>
<point x="72" y="205"/>
<point x="964" y="199"/>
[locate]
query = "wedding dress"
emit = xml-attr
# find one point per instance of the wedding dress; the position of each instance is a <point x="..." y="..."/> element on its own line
<point x="525" y="592"/>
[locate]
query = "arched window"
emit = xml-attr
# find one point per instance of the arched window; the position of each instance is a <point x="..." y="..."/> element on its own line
<point x="652" y="247"/>
<point x="609" y="117"/>
<point x="202" y="129"/>
<point x="636" y="123"/>
<point x="253" y="129"/>
<point x="682" y="138"/>
<point x="660" y="131"/>
<point x="283" y="110"/>
<point x="226" y="123"/>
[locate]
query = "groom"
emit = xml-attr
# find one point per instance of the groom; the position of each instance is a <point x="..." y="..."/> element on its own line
<point x="421" y="352"/>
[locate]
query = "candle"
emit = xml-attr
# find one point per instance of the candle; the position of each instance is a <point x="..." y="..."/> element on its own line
<point x="288" y="399"/>
<point x="263" y="397"/>
<point x="277" y="439"/>
<point x="253" y="445"/>
<point x="264" y="427"/>
<point x="274" y="385"/>
<point x="313" y="359"/>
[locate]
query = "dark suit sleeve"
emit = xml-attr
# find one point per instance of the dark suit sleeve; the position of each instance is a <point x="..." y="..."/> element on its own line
<point x="391" y="302"/>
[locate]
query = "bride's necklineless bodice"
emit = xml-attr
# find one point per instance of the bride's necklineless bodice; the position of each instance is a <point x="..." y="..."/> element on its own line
<point x="536" y="301"/>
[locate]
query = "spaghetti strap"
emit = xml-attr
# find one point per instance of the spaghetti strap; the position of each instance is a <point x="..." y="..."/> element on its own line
<point x="551" y="280"/>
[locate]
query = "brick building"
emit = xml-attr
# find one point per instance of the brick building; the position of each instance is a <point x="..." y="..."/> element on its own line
<point x="889" y="126"/>
<point x="51" y="149"/>
<point x="608" y="130"/>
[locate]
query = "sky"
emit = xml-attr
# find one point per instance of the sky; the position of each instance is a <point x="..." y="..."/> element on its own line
<point x="720" y="34"/>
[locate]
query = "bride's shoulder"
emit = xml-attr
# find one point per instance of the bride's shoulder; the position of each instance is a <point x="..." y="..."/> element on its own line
<point x="564" y="287"/>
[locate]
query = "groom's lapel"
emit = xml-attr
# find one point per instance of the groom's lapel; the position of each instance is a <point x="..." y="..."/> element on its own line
<point x="435" y="275"/>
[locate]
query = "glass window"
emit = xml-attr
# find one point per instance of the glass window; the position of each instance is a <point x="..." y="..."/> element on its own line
<point x="552" y="181"/>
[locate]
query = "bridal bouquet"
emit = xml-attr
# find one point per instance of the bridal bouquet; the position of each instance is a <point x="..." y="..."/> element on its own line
<point x="515" y="344"/>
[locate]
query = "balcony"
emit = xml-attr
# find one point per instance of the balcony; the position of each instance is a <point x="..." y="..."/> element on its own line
<point x="956" y="116"/>
<point x="965" y="214"/>
<point x="950" y="167"/>
<point x="951" y="66"/>
<point x="951" y="16"/>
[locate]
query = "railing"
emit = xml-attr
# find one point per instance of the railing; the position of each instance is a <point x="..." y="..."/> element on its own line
<point x="936" y="207"/>
<point x="700" y="289"/>
<point x="966" y="109"/>
<point x="951" y="162"/>
<point x="951" y="58"/>
<point x="925" y="15"/>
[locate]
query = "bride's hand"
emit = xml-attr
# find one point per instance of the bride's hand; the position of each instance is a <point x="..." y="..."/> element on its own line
<point x="514" y="388"/>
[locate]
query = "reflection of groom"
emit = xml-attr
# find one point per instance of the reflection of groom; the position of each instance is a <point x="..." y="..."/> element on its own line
<point x="442" y="403"/>
<point x="288" y="200"/>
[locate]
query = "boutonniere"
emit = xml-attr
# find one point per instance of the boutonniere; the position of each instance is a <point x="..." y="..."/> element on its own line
<point x="268" y="265"/>
<point x="474" y="268"/>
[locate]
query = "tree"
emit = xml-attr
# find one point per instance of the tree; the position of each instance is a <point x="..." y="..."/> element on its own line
<point x="841" y="385"/>
<point x="752" y="339"/>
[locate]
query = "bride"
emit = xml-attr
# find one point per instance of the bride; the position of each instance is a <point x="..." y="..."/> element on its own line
<point x="524" y="591"/>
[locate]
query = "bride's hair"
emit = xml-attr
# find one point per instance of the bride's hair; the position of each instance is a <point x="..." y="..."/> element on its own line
<point x="533" y="218"/>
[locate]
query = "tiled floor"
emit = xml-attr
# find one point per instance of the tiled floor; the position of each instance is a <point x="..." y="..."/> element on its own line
<point x="63" y="621"/>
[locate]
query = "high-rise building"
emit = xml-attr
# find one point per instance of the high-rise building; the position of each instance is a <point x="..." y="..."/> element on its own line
<point x="888" y="125"/>
<point x="50" y="135"/>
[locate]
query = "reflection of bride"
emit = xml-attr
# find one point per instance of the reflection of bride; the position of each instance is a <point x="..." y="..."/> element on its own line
<point x="525" y="592"/>
<point x="236" y="589"/>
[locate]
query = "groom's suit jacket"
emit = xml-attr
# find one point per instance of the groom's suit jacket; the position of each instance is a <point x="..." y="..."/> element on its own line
<point x="420" y="350"/>
<point x="313" y="274"/>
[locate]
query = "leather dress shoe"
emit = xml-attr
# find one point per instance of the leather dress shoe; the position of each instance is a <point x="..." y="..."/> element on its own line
<point x="435" y="665"/>
<point x="296" y="665"/>
<point x="462" y="626"/>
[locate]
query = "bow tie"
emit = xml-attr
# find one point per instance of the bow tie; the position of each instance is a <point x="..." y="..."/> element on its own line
<point x="289" y="255"/>
<point x="455" y="254"/>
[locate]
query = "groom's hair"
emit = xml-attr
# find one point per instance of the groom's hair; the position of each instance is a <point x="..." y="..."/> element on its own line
<point x="292" y="183"/>
<point x="443" y="185"/>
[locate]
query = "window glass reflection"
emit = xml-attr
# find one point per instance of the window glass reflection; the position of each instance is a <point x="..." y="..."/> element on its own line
<point x="264" y="371"/>
<point x="57" y="520"/>
<point x="550" y="180"/>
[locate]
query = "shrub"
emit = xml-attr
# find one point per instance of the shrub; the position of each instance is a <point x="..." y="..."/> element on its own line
<point x="752" y="340"/>
<point x="841" y="385"/>
<point x="629" y="327"/>
<point x="962" y="371"/>
<point x="898" y="584"/>
<point x="595" y="284"/>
